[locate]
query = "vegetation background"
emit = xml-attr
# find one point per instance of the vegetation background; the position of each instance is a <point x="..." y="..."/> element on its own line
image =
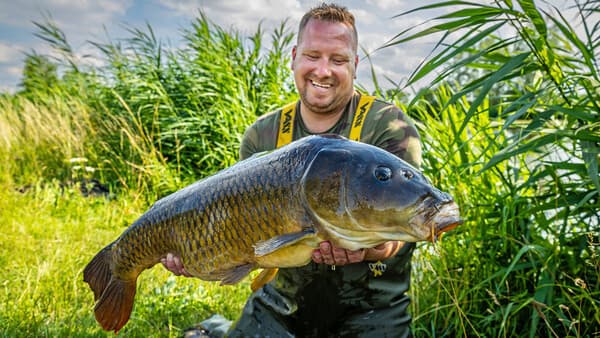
<point x="510" y="125"/>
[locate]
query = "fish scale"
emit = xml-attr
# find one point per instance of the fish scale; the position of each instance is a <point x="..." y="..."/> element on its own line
<point x="271" y="211"/>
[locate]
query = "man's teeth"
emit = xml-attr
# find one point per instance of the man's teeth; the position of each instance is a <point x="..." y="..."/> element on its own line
<point x="321" y="85"/>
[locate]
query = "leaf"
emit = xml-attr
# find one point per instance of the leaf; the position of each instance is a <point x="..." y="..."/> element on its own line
<point x="439" y="60"/>
<point x="590" y="157"/>
<point x="571" y="35"/>
<point x="577" y="112"/>
<point x="467" y="17"/>
<point x="535" y="144"/>
<point x="526" y="102"/>
<point x="534" y="15"/>
<point x="438" y="5"/>
<point x="514" y="62"/>
<point x="524" y="250"/>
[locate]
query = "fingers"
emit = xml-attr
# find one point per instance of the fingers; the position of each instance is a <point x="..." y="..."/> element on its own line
<point x="383" y="251"/>
<point x="331" y="255"/>
<point x="174" y="264"/>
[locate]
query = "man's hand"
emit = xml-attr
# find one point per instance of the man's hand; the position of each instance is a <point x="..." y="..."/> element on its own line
<point x="329" y="254"/>
<point x="174" y="264"/>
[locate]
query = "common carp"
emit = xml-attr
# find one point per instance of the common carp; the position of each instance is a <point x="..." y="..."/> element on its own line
<point x="271" y="211"/>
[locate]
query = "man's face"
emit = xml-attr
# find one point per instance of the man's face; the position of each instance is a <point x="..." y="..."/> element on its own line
<point x="324" y="64"/>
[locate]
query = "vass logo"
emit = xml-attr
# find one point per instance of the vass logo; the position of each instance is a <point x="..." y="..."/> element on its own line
<point x="361" y="114"/>
<point x="287" y="121"/>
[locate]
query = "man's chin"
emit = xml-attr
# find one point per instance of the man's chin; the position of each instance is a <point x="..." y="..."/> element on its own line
<point x="318" y="104"/>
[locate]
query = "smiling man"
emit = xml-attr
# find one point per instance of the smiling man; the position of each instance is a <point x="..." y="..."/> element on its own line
<point x="342" y="292"/>
<point x="324" y="65"/>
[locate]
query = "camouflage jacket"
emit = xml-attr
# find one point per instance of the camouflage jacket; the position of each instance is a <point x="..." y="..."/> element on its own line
<point x="386" y="126"/>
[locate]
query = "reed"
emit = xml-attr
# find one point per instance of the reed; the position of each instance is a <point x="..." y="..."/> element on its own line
<point x="510" y="126"/>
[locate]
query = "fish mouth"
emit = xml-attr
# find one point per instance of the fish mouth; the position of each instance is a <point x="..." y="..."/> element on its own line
<point x="446" y="218"/>
<point x="436" y="217"/>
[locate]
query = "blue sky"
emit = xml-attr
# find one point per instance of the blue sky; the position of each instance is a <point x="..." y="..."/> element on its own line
<point x="83" y="20"/>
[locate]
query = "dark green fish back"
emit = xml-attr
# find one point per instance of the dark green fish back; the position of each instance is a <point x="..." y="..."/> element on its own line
<point x="214" y="223"/>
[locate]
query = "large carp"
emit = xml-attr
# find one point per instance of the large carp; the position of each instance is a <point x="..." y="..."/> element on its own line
<point x="272" y="211"/>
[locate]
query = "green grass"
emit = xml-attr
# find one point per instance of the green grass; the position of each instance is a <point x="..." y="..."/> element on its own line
<point x="49" y="237"/>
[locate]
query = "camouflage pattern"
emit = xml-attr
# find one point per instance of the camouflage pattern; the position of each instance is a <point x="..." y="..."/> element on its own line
<point x="386" y="127"/>
<point x="362" y="299"/>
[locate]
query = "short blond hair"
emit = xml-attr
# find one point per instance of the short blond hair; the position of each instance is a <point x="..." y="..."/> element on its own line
<point x="330" y="13"/>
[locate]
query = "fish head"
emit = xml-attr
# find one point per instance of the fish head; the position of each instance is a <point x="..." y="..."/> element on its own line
<point x="362" y="196"/>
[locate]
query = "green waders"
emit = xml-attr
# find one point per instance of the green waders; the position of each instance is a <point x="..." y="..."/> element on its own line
<point x="357" y="300"/>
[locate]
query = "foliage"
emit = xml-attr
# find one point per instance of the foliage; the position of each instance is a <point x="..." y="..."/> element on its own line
<point x="518" y="144"/>
<point x="191" y="105"/>
<point x="153" y="119"/>
<point x="39" y="74"/>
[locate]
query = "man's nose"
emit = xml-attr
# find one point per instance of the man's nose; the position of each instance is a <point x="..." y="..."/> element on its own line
<point x="323" y="68"/>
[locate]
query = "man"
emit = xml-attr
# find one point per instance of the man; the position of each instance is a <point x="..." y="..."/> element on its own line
<point x="342" y="292"/>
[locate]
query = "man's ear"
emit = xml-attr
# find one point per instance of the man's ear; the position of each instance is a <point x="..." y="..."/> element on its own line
<point x="294" y="50"/>
<point x="355" y="65"/>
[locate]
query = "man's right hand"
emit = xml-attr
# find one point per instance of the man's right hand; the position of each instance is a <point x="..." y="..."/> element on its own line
<point x="174" y="264"/>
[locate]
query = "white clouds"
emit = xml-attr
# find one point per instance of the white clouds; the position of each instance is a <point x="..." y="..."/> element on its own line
<point x="9" y="52"/>
<point x="242" y="15"/>
<point x="11" y="56"/>
<point x="79" y="20"/>
<point x="14" y="71"/>
<point x="388" y="4"/>
<point x="84" y="20"/>
<point x="83" y="15"/>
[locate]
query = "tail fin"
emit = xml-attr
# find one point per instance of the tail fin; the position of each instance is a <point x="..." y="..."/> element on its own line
<point x="97" y="273"/>
<point x="114" y="307"/>
<point x="114" y="296"/>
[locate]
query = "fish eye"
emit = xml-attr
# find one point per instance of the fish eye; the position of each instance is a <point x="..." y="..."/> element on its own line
<point x="382" y="173"/>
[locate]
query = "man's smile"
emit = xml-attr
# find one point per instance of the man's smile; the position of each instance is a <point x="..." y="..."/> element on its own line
<point x="320" y="85"/>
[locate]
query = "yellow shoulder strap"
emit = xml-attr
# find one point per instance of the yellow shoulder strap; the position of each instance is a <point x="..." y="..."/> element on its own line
<point x="288" y="113"/>
<point x="286" y="124"/>
<point x="359" y="116"/>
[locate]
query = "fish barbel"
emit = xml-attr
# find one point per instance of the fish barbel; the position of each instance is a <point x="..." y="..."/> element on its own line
<point x="271" y="211"/>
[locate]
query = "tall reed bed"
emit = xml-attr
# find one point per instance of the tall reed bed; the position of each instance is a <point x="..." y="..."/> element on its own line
<point x="511" y="128"/>
<point x="43" y="140"/>
<point x="152" y="119"/>
<point x="191" y="105"/>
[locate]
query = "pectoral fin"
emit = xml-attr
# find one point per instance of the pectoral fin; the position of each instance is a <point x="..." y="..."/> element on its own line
<point x="278" y="242"/>
<point x="263" y="278"/>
